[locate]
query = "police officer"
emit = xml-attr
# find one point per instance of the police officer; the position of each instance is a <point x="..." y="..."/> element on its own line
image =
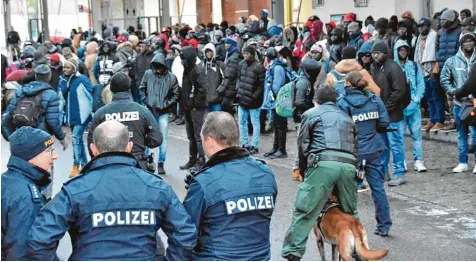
<point x="370" y="116"/>
<point x="143" y="129"/>
<point x="113" y="209"/>
<point x="28" y="173"/>
<point x="327" y="149"/>
<point x="222" y="211"/>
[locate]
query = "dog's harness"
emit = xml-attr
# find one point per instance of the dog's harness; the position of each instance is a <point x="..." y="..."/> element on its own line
<point x="324" y="210"/>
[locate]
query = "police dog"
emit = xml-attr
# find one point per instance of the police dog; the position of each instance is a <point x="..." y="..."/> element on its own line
<point x="346" y="235"/>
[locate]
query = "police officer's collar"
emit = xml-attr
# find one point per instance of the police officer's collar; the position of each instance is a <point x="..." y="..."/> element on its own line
<point x="110" y="158"/>
<point x="225" y="155"/>
<point x="122" y="96"/>
<point x="39" y="176"/>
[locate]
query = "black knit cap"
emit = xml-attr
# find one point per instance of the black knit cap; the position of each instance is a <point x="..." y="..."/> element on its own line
<point x="120" y="82"/>
<point x="380" y="46"/>
<point x="249" y="49"/>
<point x="349" y="53"/>
<point x="381" y="23"/>
<point x="467" y="36"/>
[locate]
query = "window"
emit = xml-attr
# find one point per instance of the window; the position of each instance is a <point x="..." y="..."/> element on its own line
<point x="318" y="3"/>
<point x="361" y="3"/>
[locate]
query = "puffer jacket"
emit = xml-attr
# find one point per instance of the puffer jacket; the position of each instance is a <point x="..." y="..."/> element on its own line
<point x="392" y="82"/>
<point x="142" y="64"/>
<point x="447" y="44"/>
<point x="250" y="84"/>
<point x="91" y="56"/>
<point x="456" y="71"/>
<point x="228" y="86"/>
<point x="158" y="93"/>
<point x="213" y="71"/>
<point x="348" y="65"/>
<point x="78" y="92"/>
<point x="51" y="120"/>
<point x="194" y="84"/>
<point x="124" y="52"/>
<point x="275" y="78"/>
<point x="304" y="87"/>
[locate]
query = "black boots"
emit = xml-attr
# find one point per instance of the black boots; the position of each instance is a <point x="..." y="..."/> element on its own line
<point x="160" y="169"/>
<point x="150" y="163"/>
<point x="280" y="141"/>
<point x="191" y="162"/>
<point x="198" y="165"/>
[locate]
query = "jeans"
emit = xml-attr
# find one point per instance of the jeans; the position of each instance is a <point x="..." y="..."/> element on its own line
<point x="434" y="100"/>
<point x="214" y="108"/>
<point x="254" y="114"/>
<point x="193" y="125"/>
<point x="272" y="116"/>
<point x="163" y="121"/>
<point x="413" y="122"/>
<point x="376" y="179"/>
<point x="395" y="143"/>
<point x="463" y="129"/>
<point x="80" y="158"/>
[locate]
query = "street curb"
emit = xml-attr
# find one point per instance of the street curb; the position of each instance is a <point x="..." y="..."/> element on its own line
<point x="447" y="137"/>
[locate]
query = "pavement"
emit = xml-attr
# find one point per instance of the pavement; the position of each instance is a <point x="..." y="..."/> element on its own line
<point x="434" y="214"/>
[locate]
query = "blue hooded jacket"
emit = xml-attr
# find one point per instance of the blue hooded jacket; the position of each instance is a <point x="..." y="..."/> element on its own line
<point x="364" y="49"/>
<point x="275" y="79"/>
<point x="78" y="93"/>
<point x="21" y="203"/>
<point x="369" y="115"/>
<point x="51" y="120"/>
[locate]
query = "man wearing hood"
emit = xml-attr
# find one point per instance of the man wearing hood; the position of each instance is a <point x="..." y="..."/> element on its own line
<point x="311" y="68"/>
<point x="454" y="74"/>
<point x="104" y="62"/>
<point x="228" y="87"/>
<point x="220" y="46"/>
<point x="364" y="55"/>
<point x="263" y="22"/>
<point x="405" y="32"/>
<point x="356" y="39"/>
<point x="194" y="95"/>
<point x="412" y="113"/>
<point x="91" y="56"/>
<point x="425" y="57"/>
<point x="213" y="71"/>
<point x="391" y="80"/>
<point x="159" y="90"/>
<point x="337" y="44"/>
<point x="320" y="54"/>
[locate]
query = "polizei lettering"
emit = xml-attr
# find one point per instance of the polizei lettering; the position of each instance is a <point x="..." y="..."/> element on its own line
<point x="123" y="116"/>
<point x="249" y="204"/>
<point x="365" y="116"/>
<point x="123" y="218"/>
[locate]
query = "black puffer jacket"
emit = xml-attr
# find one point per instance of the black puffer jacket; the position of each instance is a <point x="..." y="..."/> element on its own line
<point x="194" y="84"/>
<point x="228" y="87"/>
<point x="304" y="87"/>
<point x="391" y="80"/>
<point x="250" y="84"/>
<point x="213" y="71"/>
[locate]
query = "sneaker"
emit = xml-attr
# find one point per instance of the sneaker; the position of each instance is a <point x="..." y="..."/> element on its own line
<point x="472" y="149"/>
<point x="428" y="126"/>
<point x="278" y="154"/>
<point x="419" y="166"/>
<point x="74" y="172"/>
<point x="180" y="121"/>
<point x="253" y="150"/>
<point x="271" y="152"/>
<point x="450" y="128"/>
<point x="160" y="169"/>
<point x="437" y="126"/>
<point x="397" y="181"/>
<point x="460" y="168"/>
<point x="380" y="233"/>
<point x="362" y="188"/>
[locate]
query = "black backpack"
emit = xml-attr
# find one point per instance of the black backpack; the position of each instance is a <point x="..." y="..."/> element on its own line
<point x="28" y="111"/>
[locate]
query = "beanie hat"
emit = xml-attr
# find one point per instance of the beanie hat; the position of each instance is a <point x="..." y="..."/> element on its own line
<point x="381" y="23"/>
<point x="448" y="15"/>
<point x="230" y="41"/>
<point x="249" y="49"/>
<point x="349" y="53"/>
<point x="218" y="33"/>
<point x="325" y="94"/>
<point x="55" y="57"/>
<point x="73" y="62"/>
<point x="66" y="51"/>
<point x="224" y="24"/>
<point x="467" y="36"/>
<point x="380" y="46"/>
<point x="42" y="73"/>
<point x="28" y="142"/>
<point x="16" y="76"/>
<point x="120" y="82"/>
<point x="353" y="27"/>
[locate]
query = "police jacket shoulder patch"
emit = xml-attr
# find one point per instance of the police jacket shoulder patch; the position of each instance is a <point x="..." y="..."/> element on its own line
<point x="35" y="193"/>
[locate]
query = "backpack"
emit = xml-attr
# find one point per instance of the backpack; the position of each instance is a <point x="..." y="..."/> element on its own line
<point x="285" y="100"/>
<point x="339" y="84"/>
<point x="28" y="111"/>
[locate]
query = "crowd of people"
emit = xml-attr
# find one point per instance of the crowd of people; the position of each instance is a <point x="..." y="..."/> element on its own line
<point x="351" y="89"/>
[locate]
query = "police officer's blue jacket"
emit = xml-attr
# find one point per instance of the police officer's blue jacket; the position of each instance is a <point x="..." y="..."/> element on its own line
<point x="113" y="211"/>
<point x="369" y="115"/>
<point x="21" y="202"/>
<point x="231" y="201"/>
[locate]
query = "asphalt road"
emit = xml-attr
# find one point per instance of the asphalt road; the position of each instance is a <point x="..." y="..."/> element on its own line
<point x="434" y="214"/>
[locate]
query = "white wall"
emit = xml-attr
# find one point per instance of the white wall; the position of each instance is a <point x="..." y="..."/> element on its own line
<point x="457" y="5"/>
<point x="415" y="6"/>
<point x="380" y="8"/>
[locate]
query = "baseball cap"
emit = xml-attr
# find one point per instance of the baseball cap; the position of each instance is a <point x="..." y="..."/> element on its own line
<point x="424" y="21"/>
<point x="55" y="57"/>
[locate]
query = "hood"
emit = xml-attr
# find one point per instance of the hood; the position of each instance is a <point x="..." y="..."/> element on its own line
<point x="311" y="69"/>
<point x="91" y="48"/>
<point x="125" y="45"/>
<point x="365" y="48"/>
<point x="210" y="46"/>
<point x="111" y="45"/>
<point x="397" y="45"/>
<point x="234" y="45"/>
<point x="134" y="40"/>
<point x="159" y="58"/>
<point x="289" y="34"/>
<point x="347" y="65"/>
<point x="460" y="55"/>
<point x="34" y="87"/>
<point x="189" y="55"/>
<point x="355" y="97"/>
<point x="316" y="29"/>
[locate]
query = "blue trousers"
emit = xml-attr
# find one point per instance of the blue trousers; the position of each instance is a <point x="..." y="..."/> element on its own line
<point x="80" y="159"/>
<point x="396" y="144"/>
<point x="254" y="114"/>
<point x="463" y="130"/>
<point x="434" y="100"/>
<point x="413" y="122"/>
<point x="163" y="121"/>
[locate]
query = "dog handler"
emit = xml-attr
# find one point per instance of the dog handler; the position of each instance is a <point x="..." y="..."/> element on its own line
<point x="327" y="145"/>
<point x="371" y="117"/>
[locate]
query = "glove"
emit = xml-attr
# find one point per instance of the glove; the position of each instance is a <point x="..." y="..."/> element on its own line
<point x="188" y="180"/>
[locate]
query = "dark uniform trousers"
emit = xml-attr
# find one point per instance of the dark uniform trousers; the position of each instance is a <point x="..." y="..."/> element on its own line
<point x="193" y="125"/>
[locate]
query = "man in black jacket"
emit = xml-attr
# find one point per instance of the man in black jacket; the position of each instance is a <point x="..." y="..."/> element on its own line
<point x="194" y="95"/>
<point x="143" y="129"/>
<point x="213" y="71"/>
<point x="228" y="86"/>
<point x="250" y="87"/>
<point x="159" y="91"/>
<point x="142" y="62"/>
<point x="392" y="82"/>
